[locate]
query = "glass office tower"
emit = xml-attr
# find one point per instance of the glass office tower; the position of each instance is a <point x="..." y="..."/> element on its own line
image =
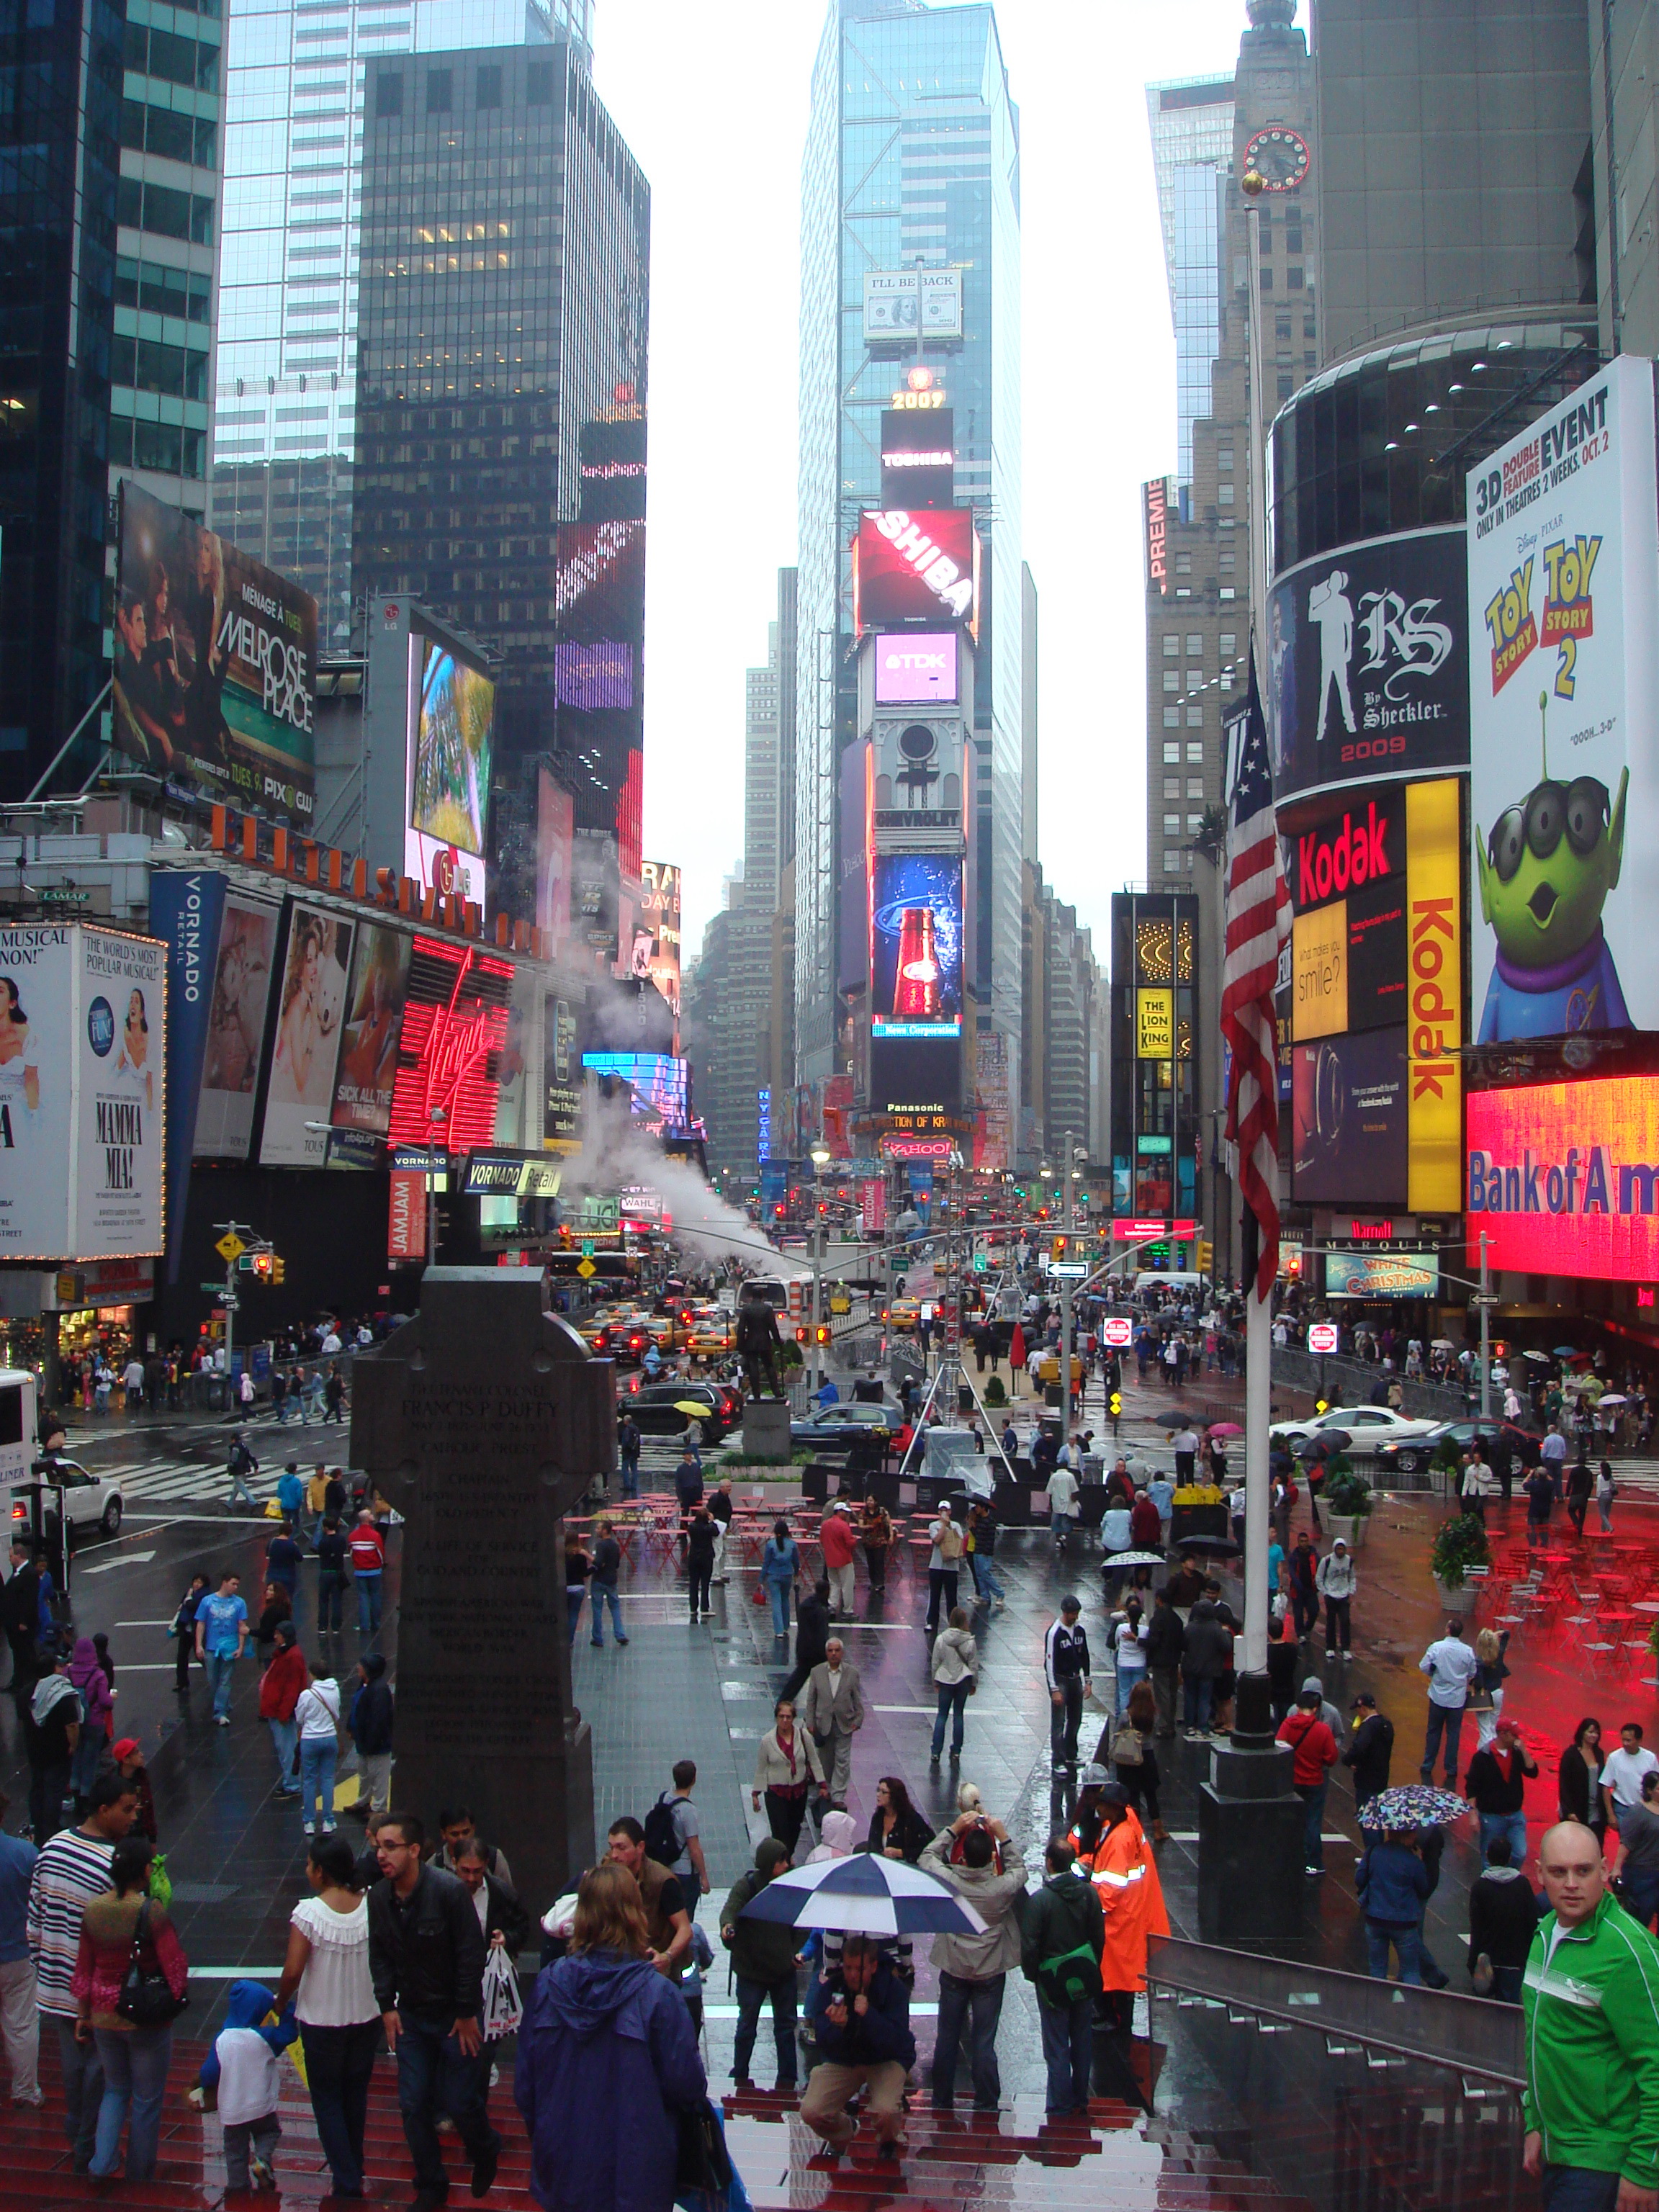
<point x="912" y="156"/>
<point x="283" y="431"/>
<point x="1192" y="132"/>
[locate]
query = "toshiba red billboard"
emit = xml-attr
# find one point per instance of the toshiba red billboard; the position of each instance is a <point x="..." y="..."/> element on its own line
<point x="916" y="568"/>
<point x="449" y="1054"/>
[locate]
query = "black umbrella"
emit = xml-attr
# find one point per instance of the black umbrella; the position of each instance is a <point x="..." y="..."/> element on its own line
<point x="1323" y="1445"/>
<point x="1217" y="1547"/>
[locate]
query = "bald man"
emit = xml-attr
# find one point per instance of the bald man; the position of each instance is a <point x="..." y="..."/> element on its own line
<point x="1591" y="2001"/>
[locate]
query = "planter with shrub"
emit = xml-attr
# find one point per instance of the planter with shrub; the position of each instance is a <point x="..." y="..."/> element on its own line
<point x="1461" y="1545"/>
<point x="1347" y="1502"/>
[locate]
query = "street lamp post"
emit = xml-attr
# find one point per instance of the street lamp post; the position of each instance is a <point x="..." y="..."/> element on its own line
<point x="821" y="1156"/>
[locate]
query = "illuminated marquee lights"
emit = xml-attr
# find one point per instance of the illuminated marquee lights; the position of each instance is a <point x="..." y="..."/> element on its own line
<point x="449" y="1051"/>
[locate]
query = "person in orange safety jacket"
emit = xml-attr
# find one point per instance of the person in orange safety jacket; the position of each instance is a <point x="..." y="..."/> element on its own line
<point x="1111" y="1845"/>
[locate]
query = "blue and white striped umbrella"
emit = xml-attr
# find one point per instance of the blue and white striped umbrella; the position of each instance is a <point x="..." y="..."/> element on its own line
<point x="866" y="1894"/>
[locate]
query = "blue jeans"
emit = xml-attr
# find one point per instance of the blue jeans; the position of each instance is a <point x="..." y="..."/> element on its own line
<point x="317" y="1756"/>
<point x="779" y="1593"/>
<point x="751" y="1998"/>
<point x="331" y="1598"/>
<point x="221" y="1665"/>
<point x="987" y="1581"/>
<point x="82" y="2072"/>
<point x="573" y="1606"/>
<point x="1447" y="1720"/>
<point x="630" y="1478"/>
<point x="1579" y="2189"/>
<point x="1067" y="2051"/>
<point x="284" y="1735"/>
<point x="1512" y="1825"/>
<point x="1313" y="1846"/>
<point x="1201" y="1702"/>
<point x="1060" y="1525"/>
<point x="436" y="2076"/>
<point x="368" y="1605"/>
<point x="135" y="2074"/>
<point x="953" y="1701"/>
<point x="1122" y="1682"/>
<point x="1405" y="1937"/>
<point x="83" y="1766"/>
<point x="1640" y="1890"/>
<point x="605" y="1594"/>
<point x="978" y="2006"/>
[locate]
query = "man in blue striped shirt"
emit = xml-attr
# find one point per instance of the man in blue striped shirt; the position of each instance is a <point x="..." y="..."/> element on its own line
<point x="73" y="1867"/>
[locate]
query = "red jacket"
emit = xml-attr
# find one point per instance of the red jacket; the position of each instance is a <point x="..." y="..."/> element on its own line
<point x="367" y="1551"/>
<point x="1146" y="1527"/>
<point x="839" y="1539"/>
<point x="281" y="1684"/>
<point x="1315" y="1746"/>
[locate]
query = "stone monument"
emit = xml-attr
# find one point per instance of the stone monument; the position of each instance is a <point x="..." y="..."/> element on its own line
<point x="484" y="1420"/>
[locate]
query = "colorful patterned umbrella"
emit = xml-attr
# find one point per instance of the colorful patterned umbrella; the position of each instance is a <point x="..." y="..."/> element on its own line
<point x="1413" y="1805"/>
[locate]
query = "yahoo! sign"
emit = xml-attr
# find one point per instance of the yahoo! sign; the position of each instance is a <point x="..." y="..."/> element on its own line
<point x="1563" y="1178"/>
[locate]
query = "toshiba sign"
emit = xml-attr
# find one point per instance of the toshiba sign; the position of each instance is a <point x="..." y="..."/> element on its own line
<point x="914" y="568"/>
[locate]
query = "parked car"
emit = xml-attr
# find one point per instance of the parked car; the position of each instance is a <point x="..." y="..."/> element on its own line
<point x="656" y="1408"/>
<point x="1409" y="1455"/>
<point x="838" y="1428"/>
<point x="92" y="1502"/>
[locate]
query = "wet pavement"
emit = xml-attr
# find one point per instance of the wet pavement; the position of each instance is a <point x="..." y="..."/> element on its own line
<point x="236" y="1854"/>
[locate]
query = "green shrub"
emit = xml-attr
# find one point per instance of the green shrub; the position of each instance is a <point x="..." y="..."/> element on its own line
<point x="1346" y="1492"/>
<point x="995" y="1394"/>
<point x="1461" y="1545"/>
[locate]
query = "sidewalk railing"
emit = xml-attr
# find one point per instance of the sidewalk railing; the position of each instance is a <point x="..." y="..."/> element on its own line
<point x="1358" y="1382"/>
<point x="1471" y="2035"/>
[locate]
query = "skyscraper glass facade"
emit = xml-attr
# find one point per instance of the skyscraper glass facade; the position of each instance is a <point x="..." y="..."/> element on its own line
<point x="1192" y="131"/>
<point x="284" y="420"/>
<point x="912" y="156"/>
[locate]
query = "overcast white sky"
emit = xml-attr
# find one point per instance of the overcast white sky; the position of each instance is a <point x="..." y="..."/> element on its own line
<point x="712" y="96"/>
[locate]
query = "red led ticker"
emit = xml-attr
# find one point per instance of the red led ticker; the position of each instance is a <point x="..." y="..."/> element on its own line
<point x="454" y="1027"/>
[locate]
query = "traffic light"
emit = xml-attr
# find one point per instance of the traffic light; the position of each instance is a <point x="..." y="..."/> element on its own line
<point x="1206" y="1255"/>
<point x="1114" y="1404"/>
<point x="278" y="1267"/>
<point x="822" y="1332"/>
<point x="778" y="1210"/>
<point x="262" y="1266"/>
<point x="1057" y="1248"/>
<point x="801" y="1332"/>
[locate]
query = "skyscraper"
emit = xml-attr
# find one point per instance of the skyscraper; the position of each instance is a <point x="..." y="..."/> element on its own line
<point x="285" y="391"/>
<point x="58" y="214"/>
<point x="1191" y="121"/>
<point x="501" y="391"/>
<point x="912" y="160"/>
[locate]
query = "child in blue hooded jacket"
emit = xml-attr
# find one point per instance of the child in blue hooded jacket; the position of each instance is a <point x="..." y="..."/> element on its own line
<point x="242" y="2066"/>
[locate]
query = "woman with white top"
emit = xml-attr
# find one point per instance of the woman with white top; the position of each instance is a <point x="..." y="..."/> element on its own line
<point x="1129" y="1633"/>
<point x="327" y="1965"/>
<point x="316" y="1715"/>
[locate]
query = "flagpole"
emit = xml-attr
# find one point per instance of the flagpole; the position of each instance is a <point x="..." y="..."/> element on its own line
<point x="1258" y="1330"/>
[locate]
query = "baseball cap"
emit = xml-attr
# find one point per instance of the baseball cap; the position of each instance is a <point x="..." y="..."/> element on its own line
<point x="1365" y="1697"/>
<point x="1094" y="1777"/>
<point x="124" y="1750"/>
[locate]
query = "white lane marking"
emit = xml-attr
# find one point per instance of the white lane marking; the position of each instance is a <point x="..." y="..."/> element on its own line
<point x="127" y="1559"/>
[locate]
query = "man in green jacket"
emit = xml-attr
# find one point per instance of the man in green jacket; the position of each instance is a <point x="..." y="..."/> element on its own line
<point x="762" y="1965"/>
<point x="1062" y="1936"/>
<point x="1591" y="2005"/>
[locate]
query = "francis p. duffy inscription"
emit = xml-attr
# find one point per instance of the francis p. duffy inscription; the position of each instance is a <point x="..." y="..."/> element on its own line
<point x="484" y="1420"/>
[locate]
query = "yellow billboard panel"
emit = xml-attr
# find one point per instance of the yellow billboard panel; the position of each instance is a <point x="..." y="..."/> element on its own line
<point x="1319" y="970"/>
<point x="1434" y="1035"/>
<point x="1154" y="1025"/>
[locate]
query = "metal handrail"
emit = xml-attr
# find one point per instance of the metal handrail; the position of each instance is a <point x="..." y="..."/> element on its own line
<point x="1471" y="2035"/>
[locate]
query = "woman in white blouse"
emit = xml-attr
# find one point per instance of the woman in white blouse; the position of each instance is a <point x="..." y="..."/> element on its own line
<point x="327" y="1965"/>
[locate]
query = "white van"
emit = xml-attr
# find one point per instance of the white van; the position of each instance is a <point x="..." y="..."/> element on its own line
<point x="18" y="1444"/>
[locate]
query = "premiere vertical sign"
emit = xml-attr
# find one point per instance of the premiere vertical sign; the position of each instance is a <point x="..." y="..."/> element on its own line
<point x="1435" y="1029"/>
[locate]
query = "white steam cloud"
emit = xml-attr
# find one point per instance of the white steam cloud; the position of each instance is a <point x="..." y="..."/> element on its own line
<point x="617" y="1154"/>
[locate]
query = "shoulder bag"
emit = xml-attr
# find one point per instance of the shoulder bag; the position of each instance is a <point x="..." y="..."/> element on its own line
<point x="146" y="1996"/>
<point x="703" y="2163"/>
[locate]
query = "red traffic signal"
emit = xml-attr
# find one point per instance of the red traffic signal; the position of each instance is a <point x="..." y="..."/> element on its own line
<point x="800" y="1334"/>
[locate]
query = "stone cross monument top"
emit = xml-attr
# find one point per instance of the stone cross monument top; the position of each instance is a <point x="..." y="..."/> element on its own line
<point x="484" y="1420"/>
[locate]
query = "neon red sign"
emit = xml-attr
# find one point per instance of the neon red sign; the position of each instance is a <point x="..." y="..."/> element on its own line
<point x="455" y="1020"/>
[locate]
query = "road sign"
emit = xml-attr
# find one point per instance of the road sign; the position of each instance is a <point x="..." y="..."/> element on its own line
<point x="229" y="1301"/>
<point x="585" y="1268"/>
<point x="587" y="1248"/>
<point x="213" y="1290"/>
<point x="981" y="1261"/>
<point x="230" y="1246"/>
<point x="1323" y="1336"/>
<point x="1073" y="1270"/>
<point x="1118" y="1329"/>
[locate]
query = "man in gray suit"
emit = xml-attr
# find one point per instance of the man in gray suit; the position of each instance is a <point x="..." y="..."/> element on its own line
<point x="833" y="1712"/>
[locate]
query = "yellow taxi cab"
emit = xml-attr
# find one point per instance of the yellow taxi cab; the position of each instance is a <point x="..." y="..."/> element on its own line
<point x="710" y="1333"/>
<point x="902" y="1315"/>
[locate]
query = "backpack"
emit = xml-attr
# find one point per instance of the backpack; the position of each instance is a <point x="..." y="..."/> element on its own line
<point x="662" y="1835"/>
<point x="241" y="1459"/>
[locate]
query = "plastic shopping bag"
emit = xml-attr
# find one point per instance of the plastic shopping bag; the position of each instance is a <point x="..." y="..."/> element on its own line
<point x="503" y="2008"/>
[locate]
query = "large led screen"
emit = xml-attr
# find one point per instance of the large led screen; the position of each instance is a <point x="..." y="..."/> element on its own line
<point x="916" y="668"/>
<point x="1563" y="792"/>
<point x="1563" y="1178"/>
<point x="916" y="946"/>
<point x="452" y="737"/>
<point x="1348" y="1109"/>
<point x="915" y="568"/>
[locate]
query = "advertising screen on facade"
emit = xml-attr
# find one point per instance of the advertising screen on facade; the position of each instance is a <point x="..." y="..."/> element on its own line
<point x="243" y="971"/>
<point x="1154" y="1025"/>
<point x="312" y="1009"/>
<point x="898" y="303"/>
<point x="1381" y="1275"/>
<point x="1434" y="1031"/>
<point x="916" y="946"/>
<point x="449" y="1050"/>
<point x="562" y="1108"/>
<point x="918" y="456"/>
<point x="916" y="568"/>
<point x="1348" y="1108"/>
<point x="215" y="662"/>
<point x="82" y="1061"/>
<point x="1368" y="663"/>
<point x="1563" y="1178"/>
<point x="451" y="736"/>
<point x="657" y="938"/>
<point x="916" y="668"/>
<point x="1563" y="580"/>
<point x="368" y="1047"/>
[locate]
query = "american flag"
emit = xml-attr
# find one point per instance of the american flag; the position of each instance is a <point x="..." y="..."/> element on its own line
<point x="1258" y="927"/>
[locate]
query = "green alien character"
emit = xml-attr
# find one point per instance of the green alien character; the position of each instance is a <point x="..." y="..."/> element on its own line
<point x="1546" y="872"/>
